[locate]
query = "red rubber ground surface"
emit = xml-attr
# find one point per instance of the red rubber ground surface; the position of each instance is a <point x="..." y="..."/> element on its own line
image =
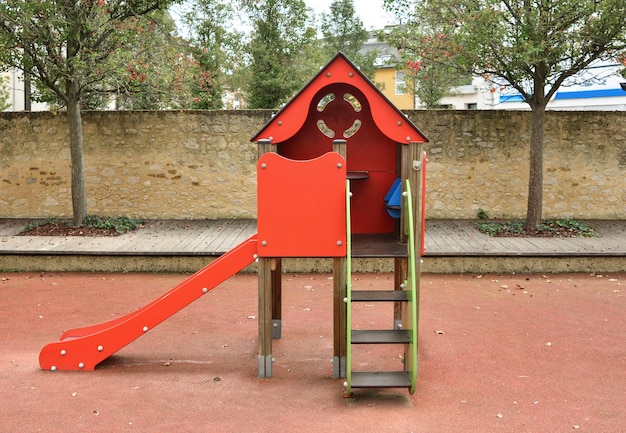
<point x="498" y="353"/>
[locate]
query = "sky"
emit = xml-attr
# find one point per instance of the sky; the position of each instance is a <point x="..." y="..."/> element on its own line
<point x="370" y="11"/>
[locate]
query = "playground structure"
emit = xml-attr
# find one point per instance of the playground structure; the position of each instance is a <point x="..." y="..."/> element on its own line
<point x="340" y="174"/>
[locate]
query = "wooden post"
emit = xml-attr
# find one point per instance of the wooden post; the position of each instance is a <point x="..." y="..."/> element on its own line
<point x="400" y="266"/>
<point x="340" y="146"/>
<point x="412" y="169"/>
<point x="340" y="308"/>
<point x="340" y="317"/>
<point x="265" y="317"/>
<point x="270" y="294"/>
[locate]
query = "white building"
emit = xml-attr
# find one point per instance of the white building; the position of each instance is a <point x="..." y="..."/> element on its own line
<point x="596" y="88"/>
<point x="13" y="86"/>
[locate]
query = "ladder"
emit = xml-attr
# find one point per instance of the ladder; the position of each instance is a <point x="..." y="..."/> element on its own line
<point x="404" y="331"/>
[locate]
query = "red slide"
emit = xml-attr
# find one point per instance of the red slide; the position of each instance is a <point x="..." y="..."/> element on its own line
<point x="84" y="348"/>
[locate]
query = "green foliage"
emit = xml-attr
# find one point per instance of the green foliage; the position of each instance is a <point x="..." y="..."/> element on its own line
<point x="494" y="228"/>
<point x="216" y="48"/>
<point x="121" y="225"/>
<point x="343" y="31"/>
<point x="567" y="227"/>
<point x="280" y="34"/>
<point x="88" y="44"/>
<point x="532" y="47"/>
<point x="482" y="214"/>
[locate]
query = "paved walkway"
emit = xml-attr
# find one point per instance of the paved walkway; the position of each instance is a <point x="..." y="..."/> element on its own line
<point x="445" y="239"/>
<point x="209" y="238"/>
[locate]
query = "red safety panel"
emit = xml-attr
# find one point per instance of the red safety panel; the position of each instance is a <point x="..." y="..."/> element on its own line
<point x="302" y="206"/>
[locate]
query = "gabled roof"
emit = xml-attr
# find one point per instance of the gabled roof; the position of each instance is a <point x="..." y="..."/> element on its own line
<point x="340" y="70"/>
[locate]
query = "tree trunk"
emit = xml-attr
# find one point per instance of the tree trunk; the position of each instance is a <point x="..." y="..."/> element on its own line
<point x="535" y="179"/>
<point x="79" y="191"/>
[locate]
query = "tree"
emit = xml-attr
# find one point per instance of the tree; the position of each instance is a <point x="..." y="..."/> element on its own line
<point x="279" y="36"/>
<point x="430" y="82"/>
<point x="72" y="47"/>
<point x="532" y="46"/>
<point x="343" y="31"/>
<point x="216" y="49"/>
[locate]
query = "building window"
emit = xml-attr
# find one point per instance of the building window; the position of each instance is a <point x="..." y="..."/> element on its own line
<point x="472" y="106"/>
<point x="400" y="85"/>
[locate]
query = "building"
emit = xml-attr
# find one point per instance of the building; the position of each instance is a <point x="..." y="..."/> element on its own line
<point x="13" y="86"/>
<point x="598" y="87"/>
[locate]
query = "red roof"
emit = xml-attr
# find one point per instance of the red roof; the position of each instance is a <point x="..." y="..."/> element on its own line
<point x="340" y="76"/>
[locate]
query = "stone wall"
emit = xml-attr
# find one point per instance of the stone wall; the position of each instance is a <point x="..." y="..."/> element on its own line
<point x="201" y="164"/>
<point x="479" y="160"/>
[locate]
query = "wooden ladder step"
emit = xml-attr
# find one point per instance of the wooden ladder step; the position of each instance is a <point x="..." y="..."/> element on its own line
<point x="386" y="336"/>
<point x="380" y="379"/>
<point x="379" y="296"/>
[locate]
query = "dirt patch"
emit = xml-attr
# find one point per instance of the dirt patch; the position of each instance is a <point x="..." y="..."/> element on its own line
<point x="567" y="228"/>
<point x="54" y="229"/>
<point x="93" y="226"/>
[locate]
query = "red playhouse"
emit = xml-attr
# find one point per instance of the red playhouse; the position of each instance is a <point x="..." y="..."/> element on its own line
<point x="341" y="174"/>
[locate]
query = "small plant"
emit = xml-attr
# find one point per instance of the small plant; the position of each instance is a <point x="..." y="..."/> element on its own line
<point x="482" y="214"/>
<point x="93" y="225"/>
<point x="567" y="227"/>
<point x="33" y="225"/>
<point x="498" y="228"/>
<point x="119" y="224"/>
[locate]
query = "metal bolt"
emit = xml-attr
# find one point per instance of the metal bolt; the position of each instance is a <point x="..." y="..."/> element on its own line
<point x="279" y="123"/>
<point x="53" y="368"/>
<point x="402" y="286"/>
<point x="345" y="383"/>
<point x="145" y="329"/>
<point x="404" y="194"/>
<point x="275" y="325"/>
<point x="350" y="74"/>
<point x="339" y="243"/>
<point x="339" y="165"/>
<point x="264" y="243"/>
<point x="81" y="365"/>
<point x="100" y="348"/>
<point x="345" y="300"/>
<point x="408" y="138"/>
<point x="399" y="122"/>
<point x="328" y="74"/>
<point x="205" y="290"/>
<point x="63" y="352"/>
<point x="264" y="165"/>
